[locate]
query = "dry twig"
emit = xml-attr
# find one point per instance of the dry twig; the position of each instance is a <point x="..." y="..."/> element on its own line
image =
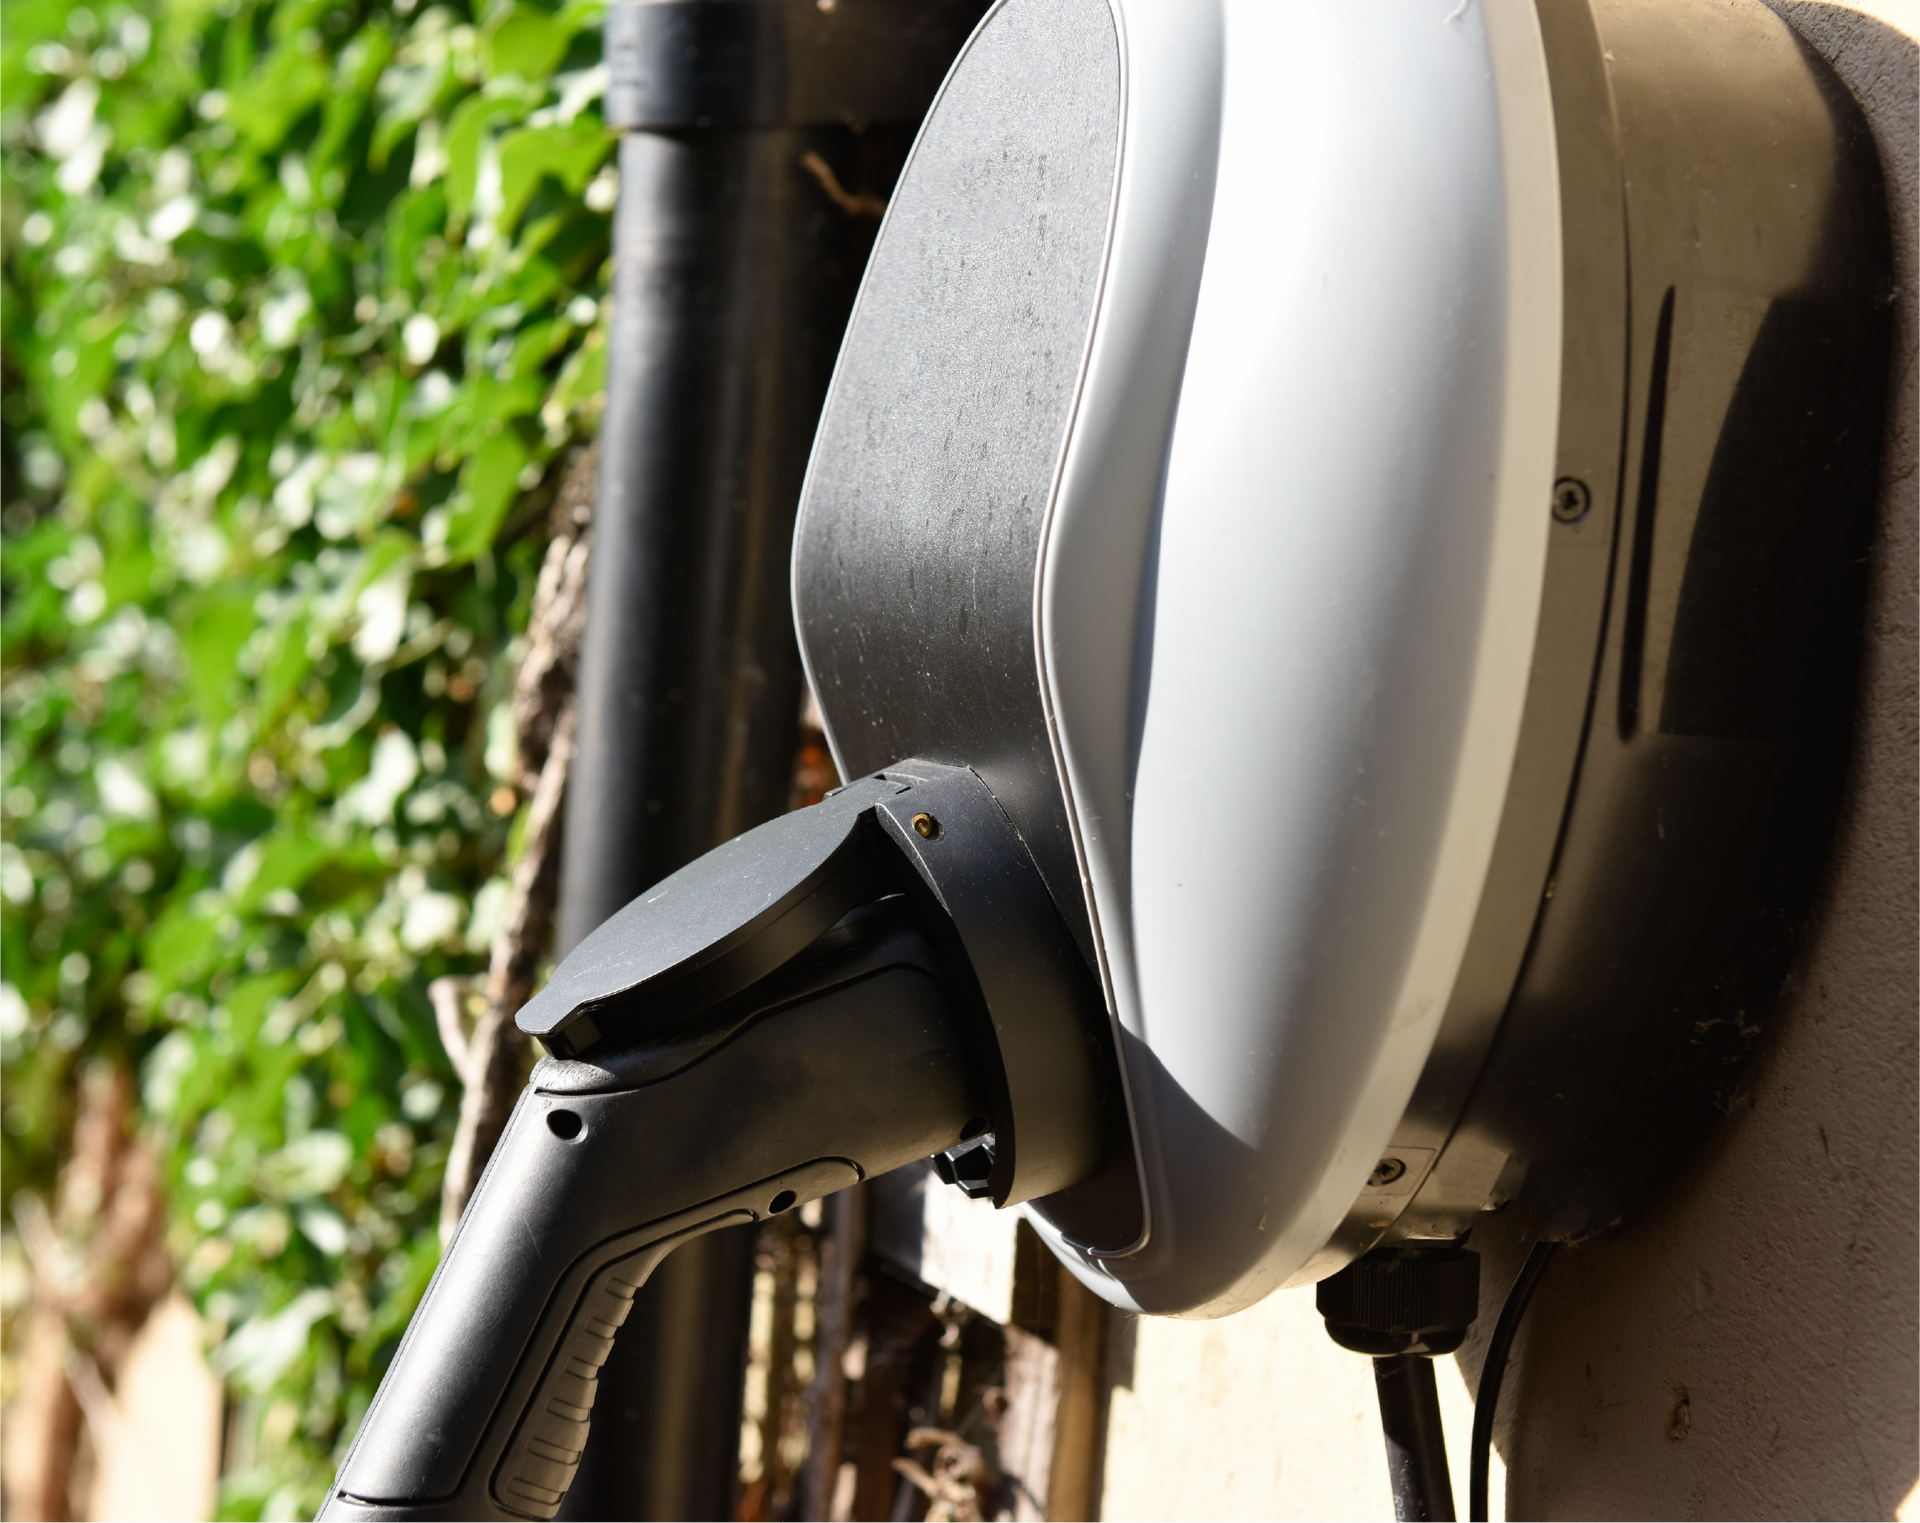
<point x="839" y="1288"/>
<point x="99" y="1266"/>
<point x="853" y="203"/>
<point x="489" y="1056"/>
<point x="957" y="1481"/>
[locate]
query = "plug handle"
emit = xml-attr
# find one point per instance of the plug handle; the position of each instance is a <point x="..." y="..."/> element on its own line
<point x="486" y="1408"/>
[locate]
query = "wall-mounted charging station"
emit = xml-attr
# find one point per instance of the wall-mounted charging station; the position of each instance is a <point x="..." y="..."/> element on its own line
<point x="1332" y="557"/>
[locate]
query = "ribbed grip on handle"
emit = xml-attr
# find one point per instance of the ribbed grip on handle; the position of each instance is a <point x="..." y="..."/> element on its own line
<point x="541" y="1461"/>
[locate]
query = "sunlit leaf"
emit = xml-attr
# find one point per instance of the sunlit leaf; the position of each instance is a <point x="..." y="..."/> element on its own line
<point x="525" y="42"/>
<point x="465" y="135"/>
<point x="292" y="80"/>
<point x="488" y="484"/>
<point x="570" y="154"/>
<point x="213" y="638"/>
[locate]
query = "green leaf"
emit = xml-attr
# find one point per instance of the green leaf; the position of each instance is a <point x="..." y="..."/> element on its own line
<point x="251" y="998"/>
<point x="570" y="154"/>
<point x="583" y="380"/>
<point x="290" y="664"/>
<point x="583" y="15"/>
<point x="288" y="859"/>
<point x="128" y="574"/>
<point x="389" y="548"/>
<point x="182" y="945"/>
<point x="71" y="374"/>
<point x="213" y="638"/>
<point x="360" y="66"/>
<point x="279" y="92"/>
<point x="526" y="43"/>
<point x="466" y="134"/>
<point x="488" y="485"/>
<point x="291" y="17"/>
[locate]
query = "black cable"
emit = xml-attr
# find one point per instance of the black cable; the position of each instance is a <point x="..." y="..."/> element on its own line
<point x="1499" y="1348"/>
<point x="1416" y="1445"/>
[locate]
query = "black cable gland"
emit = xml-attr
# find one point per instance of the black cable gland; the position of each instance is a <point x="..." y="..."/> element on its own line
<point x="1403" y="1301"/>
<point x="969" y="1167"/>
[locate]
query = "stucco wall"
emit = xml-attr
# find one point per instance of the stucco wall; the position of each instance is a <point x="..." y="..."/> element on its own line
<point x="1750" y="1350"/>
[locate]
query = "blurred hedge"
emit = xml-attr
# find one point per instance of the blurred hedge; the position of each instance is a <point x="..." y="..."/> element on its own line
<point x="301" y="315"/>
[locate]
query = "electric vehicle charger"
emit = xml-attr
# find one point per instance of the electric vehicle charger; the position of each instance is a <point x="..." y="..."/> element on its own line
<point x="1333" y="556"/>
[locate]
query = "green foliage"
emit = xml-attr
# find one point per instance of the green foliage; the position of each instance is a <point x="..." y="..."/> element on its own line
<point x="301" y="310"/>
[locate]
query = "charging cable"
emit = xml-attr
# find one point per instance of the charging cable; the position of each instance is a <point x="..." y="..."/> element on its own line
<point x="1493" y="1371"/>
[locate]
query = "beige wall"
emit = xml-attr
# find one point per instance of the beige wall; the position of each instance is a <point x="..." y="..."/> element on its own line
<point x="1774" y="1292"/>
<point x="1254" y="1416"/>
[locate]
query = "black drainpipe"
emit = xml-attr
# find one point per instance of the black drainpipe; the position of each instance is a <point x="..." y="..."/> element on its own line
<point x="760" y="138"/>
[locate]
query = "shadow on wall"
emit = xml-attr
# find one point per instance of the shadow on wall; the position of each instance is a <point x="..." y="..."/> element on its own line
<point x="1749" y="1350"/>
